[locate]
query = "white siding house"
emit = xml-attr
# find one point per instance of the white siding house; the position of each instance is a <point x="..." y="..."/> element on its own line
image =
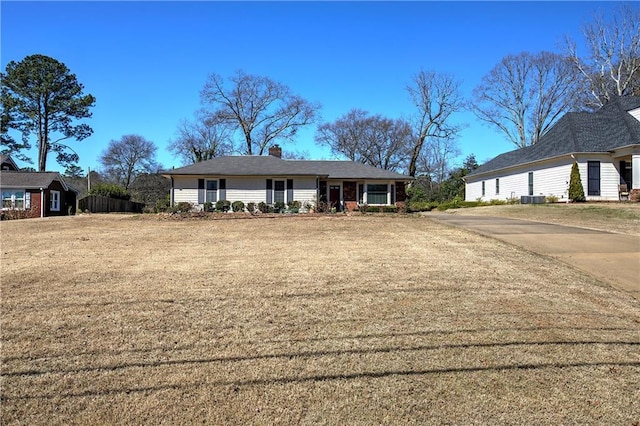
<point x="605" y="144"/>
<point x="270" y="179"/>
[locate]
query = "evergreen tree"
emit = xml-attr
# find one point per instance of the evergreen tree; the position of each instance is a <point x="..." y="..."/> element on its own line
<point x="41" y="96"/>
<point x="576" y="190"/>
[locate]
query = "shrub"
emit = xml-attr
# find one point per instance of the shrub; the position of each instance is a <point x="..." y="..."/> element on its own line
<point x="208" y="206"/>
<point x="13" y="214"/>
<point x="223" y="205"/>
<point x="237" y="206"/>
<point x="263" y="207"/>
<point x="251" y="207"/>
<point x="294" y="204"/>
<point x="576" y="190"/>
<point x="110" y="190"/>
<point x="421" y="206"/>
<point x="551" y="199"/>
<point x="322" y="207"/>
<point x="456" y="204"/>
<point x="181" y="207"/>
<point x="278" y="206"/>
<point x="162" y="204"/>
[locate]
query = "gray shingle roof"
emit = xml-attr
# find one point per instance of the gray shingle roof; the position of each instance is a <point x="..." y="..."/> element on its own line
<point x="602" y="131"/>
<point x="273" y="166"/>
<point x="30" y="180"/>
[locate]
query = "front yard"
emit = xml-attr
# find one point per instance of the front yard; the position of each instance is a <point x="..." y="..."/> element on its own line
<point x="112" y="319"/>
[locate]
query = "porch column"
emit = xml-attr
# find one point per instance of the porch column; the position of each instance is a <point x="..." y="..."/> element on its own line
<point x="635" y="171"/>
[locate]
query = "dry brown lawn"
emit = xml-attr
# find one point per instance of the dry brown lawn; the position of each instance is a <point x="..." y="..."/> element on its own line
<point x="109" y="319"/>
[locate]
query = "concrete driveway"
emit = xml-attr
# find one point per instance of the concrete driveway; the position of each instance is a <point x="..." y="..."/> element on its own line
<point x="612" y="258"/>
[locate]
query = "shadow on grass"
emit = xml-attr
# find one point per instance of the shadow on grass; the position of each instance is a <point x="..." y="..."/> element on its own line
<point x="328" y="377"/>
<point x="310" y="354"/>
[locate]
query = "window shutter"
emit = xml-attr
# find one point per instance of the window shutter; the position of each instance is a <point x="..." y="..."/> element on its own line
<point x="289" y="189"/>
<point x="200" y="191"/>
<point x="223" y="189"/>
<point x="269" y="191"/>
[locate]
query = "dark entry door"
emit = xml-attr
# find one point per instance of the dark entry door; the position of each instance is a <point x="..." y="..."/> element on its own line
<point x="334" y="196"/>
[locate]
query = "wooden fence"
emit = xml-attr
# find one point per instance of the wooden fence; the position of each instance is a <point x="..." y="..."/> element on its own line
<point x="102" y="204"/>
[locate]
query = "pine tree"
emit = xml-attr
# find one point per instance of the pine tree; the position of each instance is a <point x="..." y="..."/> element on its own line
<point x="576" y="190"/>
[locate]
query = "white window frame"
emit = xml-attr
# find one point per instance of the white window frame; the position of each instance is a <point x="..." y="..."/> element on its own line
<point x="13" y="199"/>
<point x="366" y="193"/>
<point x="54" y="200"/>
<point x="284" y="191"/>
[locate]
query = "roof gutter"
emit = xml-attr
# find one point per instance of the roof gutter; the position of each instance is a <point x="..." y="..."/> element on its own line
<point x="568" y="154"/>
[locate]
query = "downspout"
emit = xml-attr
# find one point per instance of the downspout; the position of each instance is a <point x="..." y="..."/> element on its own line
<point x="41" y="202"/>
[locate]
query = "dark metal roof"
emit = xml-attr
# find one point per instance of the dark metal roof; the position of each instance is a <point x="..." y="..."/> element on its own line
<point x="274" y="166"/>
<point x="30" y="180"/>
<point x="608" y="128"/>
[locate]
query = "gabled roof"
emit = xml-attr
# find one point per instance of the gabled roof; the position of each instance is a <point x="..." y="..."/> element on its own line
<point x="274" y="166"/>
<point x="608" y="128"/>
<point x="6" y="160"/>
<point x="31" y="180"/>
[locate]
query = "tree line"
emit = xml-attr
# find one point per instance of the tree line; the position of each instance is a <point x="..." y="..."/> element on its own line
<point x="521" y="97"/>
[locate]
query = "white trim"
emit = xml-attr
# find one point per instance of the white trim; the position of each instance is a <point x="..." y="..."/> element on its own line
<point x="217" y="190"/>
<point x="13" y="198"/>
<point x="54" y="200"/>
<point x="284" y="190"/>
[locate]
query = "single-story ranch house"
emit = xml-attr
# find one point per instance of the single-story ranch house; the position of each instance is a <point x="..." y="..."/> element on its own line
<point x="271" y="179"/>
<point x="605" y="144"/>
<point x="38" y="194"/>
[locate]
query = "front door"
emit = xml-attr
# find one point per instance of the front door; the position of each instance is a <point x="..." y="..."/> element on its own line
<point x="334" y="196"/>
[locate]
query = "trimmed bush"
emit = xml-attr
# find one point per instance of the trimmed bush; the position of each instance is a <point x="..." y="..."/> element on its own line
<point x="181" y="207"/>
<point x="251" y="207"/>
<point x="237" y="206"/>
<point x="294" y="205"/>
<point x="223" y="205"/>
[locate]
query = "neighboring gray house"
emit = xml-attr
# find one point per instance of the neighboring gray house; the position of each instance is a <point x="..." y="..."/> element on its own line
<point x="39" y="194"/>
<point x="605" y="144"/>
<point x="271" y="179"/>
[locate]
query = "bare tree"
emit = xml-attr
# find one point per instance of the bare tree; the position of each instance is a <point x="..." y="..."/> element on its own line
<point x="612" y="64"/>
<point x="344" y="136"/>
<point x="436" y="98"/>
<point x="386" y="143"/>
<point x="264" y="110"/>
<point x="373" y="140"/>
<point x="125" y="159"/>
<point x="202" y="139"/>
<point x="436" y="157"/>
<point x="525" y="94"/>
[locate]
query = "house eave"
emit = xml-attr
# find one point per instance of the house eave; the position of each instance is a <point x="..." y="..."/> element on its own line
<point x="521" y="165"/>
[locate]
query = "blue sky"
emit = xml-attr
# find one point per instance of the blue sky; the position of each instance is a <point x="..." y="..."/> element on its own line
<point x="146" y="62"/>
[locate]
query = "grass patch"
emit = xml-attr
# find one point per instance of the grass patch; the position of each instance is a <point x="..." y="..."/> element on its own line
<point x="110" y="319"/>
<point x="615" y="217"/>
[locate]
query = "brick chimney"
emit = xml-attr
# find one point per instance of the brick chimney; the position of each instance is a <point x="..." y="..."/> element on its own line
<point x="275" y="151"/>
